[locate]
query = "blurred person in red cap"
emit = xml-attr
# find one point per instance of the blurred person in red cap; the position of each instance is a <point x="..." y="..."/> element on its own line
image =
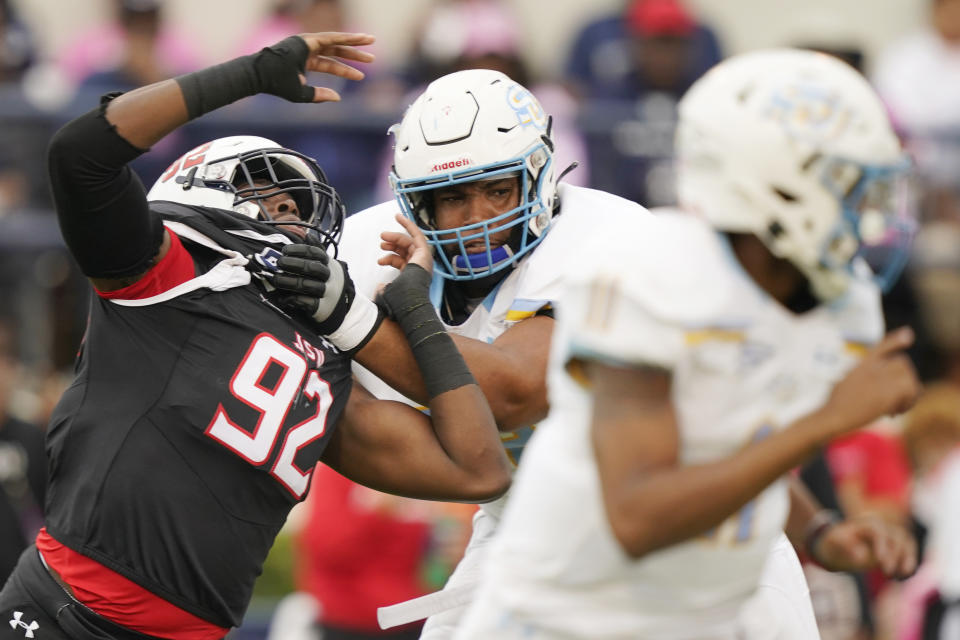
<point x="661" y="46"/>
<point x="649" y="45"/>
<point x="629" y="70"/>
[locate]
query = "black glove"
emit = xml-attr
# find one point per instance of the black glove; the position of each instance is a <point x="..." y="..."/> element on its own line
<point x="278" y="69"/>
<point x="275" y="70"/>
<point x="312" y="285"/>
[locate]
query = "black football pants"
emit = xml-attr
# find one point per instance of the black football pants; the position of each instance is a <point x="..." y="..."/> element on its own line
<point x="34" y="607"/>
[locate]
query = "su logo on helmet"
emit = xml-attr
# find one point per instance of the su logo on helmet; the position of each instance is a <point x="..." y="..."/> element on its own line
<point x="528" y="110"/>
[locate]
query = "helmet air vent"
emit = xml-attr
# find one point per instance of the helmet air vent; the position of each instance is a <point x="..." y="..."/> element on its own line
<point x="785" y="195"/>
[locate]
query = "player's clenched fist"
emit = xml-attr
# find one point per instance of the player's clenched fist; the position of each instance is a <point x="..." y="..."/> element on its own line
<point x="883" y="383"/>
<point x="310" y="282"/>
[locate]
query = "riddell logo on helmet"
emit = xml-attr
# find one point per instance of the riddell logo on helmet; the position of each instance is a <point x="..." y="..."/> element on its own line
<point x="451" y="164"/>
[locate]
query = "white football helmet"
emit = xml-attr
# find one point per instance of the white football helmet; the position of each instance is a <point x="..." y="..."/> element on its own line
<point x="221" y="174"/>
<point x="475" y="125"/>
<point x="795" y="147"/>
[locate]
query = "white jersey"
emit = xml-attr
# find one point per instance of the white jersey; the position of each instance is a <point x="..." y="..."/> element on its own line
<point x="667" y="293"/>
<point x="532" y="286"/>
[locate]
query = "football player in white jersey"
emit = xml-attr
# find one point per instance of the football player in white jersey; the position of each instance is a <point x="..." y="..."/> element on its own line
<point x="699" y="358"/>
<point x="474" y="167"/>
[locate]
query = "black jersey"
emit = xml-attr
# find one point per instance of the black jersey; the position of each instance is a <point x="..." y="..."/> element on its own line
<point x="193" y="424"/>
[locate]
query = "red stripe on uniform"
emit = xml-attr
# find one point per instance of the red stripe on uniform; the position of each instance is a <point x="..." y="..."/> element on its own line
<point x="175" y="268"/>
<point x="121" y="600"/>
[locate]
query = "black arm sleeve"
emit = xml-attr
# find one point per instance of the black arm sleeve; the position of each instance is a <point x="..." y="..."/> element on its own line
<point x="101" y="203"/>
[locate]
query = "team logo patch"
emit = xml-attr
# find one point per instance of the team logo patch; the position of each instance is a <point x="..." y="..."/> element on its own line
<point x="268" y="258"/>
<point x="528" y="110"/>
<point x="810" y="113"/>
<point x="28" y="627"/>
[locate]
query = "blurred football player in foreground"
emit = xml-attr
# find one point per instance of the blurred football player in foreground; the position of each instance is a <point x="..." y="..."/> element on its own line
<point x="699" y="357"/>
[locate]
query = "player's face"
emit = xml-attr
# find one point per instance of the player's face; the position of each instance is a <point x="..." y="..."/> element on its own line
<point x="281" y="206"/>
<point x="472" y="202"/>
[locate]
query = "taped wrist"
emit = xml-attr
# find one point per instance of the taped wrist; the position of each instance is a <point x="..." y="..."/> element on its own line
<point x="816" y="528"/>
<point x="353" y="319"/>
<point x="275" y="70"/>
<point x="441" y="365"/>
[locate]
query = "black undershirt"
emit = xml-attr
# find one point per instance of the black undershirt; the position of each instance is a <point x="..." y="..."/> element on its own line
<point x="100" y="201"/>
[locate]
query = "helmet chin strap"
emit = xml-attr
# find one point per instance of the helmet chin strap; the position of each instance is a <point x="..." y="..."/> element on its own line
<point x="563" y="174"/>
<point x="315" y="236"/>
<point x="472" y="263"/>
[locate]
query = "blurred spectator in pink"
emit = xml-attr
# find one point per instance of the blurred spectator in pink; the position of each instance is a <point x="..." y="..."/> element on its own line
<point x="650" y="45"/>
<point x="288" y="17"/>
<point x="136" y="47"/>
<point x="484" y="34"/>
<point x="360" y="549"/>
<point x="455" y="31"/>
<point x="344" y="147"/>
<point x="919" y="76"/>
<point x="930" y="601"/>
<point x="919" y="79"/>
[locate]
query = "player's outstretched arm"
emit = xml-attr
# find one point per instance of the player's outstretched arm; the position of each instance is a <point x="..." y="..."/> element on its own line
<point x="101" y="204"/>
<point x="147" y="114"/>
<point x="653" y="502"/>
<point x="511" y="371"/>
<point x="454" y="454"/>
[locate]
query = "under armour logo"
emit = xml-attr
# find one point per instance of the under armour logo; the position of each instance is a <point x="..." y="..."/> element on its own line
<point x="28" y="629"/>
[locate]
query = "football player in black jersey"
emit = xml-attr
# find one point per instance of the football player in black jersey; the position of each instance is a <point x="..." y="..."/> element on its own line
<point x="215" y="370"/>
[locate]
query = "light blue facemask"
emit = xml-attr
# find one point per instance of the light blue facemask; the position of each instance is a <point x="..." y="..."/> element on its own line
<point x="879" y="212"/>
<point x="453" y="262"/>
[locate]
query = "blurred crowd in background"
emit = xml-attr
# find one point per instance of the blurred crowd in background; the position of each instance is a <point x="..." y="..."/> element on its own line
<point x="614" y="113"/>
